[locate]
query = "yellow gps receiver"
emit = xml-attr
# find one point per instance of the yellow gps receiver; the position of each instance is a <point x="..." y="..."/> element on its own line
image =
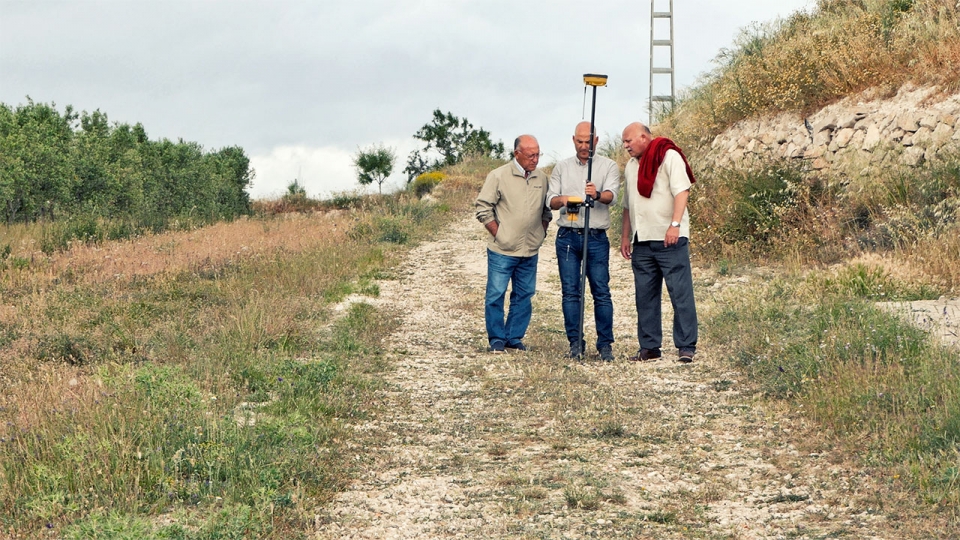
<point x="591" y="79"/>
<point x="573" y="207"/>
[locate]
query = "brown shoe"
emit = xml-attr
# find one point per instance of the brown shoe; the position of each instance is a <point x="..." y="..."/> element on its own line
<point x="646" y="355"/>
<point x="686" y="356"/>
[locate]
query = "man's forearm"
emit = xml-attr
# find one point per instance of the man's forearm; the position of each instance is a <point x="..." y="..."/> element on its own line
<point x="626" y="231"/>
<point x="605" y="197"/>
<point x="680" y="204"/>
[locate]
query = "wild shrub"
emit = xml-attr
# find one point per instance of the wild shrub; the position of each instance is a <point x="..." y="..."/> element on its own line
<point x="344" y="200"/>
<point x="425" y="183"/>
<point x="904" y="209"/>
<point x="770" y="209"/>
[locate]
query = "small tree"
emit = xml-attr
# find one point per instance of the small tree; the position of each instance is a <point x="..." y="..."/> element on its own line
<point x="374" y="165"/>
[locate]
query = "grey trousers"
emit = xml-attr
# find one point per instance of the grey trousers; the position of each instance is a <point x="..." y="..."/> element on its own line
<point x="653" y="264"/>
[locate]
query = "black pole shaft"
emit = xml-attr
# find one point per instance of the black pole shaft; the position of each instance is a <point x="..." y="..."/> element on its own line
<point x="586" y="223"/>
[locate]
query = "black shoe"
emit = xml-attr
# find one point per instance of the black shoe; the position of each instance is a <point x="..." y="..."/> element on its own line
<point x="646" y="355"/>
<point x="517" y="347"/>
<point x="576" y="351"/>
<point x="686" y="356"/>
<point x="606" y="353"/>
<point x="496" y="347"/>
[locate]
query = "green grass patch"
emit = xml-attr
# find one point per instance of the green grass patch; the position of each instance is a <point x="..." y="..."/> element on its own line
<point x="864" y="373"/>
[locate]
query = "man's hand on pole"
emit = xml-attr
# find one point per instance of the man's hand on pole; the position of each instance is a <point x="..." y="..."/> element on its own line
<point x="591" y="190"/>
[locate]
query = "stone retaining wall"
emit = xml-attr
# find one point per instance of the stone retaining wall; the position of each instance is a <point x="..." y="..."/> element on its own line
<point x="856" y="135"/>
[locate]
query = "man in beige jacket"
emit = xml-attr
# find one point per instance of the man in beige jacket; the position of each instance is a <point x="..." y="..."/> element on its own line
<point x="512" y="206"/>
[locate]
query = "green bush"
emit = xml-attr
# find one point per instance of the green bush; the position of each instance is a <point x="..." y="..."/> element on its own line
<point x="344" y="200"/>
<point x="425" y="183"/>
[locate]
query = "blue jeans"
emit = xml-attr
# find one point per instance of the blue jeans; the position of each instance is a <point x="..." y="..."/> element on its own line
<point x="653" y="265"/>
<point x="501" y="270"/>
<point x="569" y="259"/>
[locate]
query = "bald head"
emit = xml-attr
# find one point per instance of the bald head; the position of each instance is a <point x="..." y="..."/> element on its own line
<point x="636" y="128"/>
<point x="526" y="150"/>
<point x="581" y="141"/>
<point x="636" y="138"/>
<point x="523" y="139"/>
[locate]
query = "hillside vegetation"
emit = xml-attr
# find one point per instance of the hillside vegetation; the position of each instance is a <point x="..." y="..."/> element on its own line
<point x="91" y="180"/>
<point x="201" y="383"/>
<point x="197" y="374"/>
<point x="813" y="58"/>
<point x="817" y="337"/>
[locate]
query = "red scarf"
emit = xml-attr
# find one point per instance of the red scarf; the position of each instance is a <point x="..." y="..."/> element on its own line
<point x="650" y="163"/>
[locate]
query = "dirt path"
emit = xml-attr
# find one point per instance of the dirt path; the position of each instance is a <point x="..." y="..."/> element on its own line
<point x="531" y="445"/>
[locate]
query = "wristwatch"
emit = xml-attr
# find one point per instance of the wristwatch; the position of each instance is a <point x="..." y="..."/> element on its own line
<point x="674" y="223"/>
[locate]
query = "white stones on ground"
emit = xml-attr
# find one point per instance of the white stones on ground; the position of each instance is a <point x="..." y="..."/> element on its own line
<point x="872" y="138"/>
<point x="941" y="134"/>
<point x="908" y="121"/>
<point x="912" y="156"/>
<point x="844" y="136"/>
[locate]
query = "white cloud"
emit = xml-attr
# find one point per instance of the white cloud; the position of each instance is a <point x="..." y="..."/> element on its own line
<point x="322" y="171"/>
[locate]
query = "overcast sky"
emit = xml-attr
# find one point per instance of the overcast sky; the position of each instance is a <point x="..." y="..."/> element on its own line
<point x="302" y="84"/>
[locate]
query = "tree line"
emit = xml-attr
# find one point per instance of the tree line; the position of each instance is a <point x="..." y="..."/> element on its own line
<point x="56" y="165"/>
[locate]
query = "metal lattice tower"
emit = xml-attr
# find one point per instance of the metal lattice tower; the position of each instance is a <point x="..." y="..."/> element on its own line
<point x="660" y="72"/>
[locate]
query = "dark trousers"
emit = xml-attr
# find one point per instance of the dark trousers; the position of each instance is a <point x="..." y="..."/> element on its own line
<point x="653" y="264"/>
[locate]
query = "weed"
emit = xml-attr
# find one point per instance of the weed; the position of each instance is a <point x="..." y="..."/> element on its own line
<point x="611" y="429"/>
<point x="663" y="517"/>
<point x="872" y="283"/>
<point x="582" y="498"/>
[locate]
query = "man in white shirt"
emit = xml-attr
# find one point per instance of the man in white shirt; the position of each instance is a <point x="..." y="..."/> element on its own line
<point x="569" y="179"/>
<point x="655" y="232"/>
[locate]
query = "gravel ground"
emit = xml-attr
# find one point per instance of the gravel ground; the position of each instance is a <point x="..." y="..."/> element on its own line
<point x="466" y="444"/>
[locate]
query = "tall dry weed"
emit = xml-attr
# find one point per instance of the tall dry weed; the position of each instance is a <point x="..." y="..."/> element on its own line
<point x="811" y="59"/>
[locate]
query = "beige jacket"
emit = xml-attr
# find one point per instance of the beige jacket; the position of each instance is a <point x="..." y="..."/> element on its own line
<point x="519" y="206"/>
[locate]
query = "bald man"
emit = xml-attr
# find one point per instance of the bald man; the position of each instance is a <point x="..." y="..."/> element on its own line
<point x="655" y="232"/>
<point x="512" y="206"/>
<point x="569" y="179"/>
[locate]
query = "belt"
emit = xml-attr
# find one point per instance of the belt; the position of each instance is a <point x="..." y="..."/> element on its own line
<point x="580" y="231"/>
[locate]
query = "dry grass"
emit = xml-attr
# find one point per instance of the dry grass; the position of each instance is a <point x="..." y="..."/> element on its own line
<point x="124" y="365"/>
<point x="189" y="251"/>
<point x="810" y="60"/>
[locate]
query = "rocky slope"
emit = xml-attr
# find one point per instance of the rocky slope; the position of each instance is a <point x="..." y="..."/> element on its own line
<point x="856" y="135"/>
